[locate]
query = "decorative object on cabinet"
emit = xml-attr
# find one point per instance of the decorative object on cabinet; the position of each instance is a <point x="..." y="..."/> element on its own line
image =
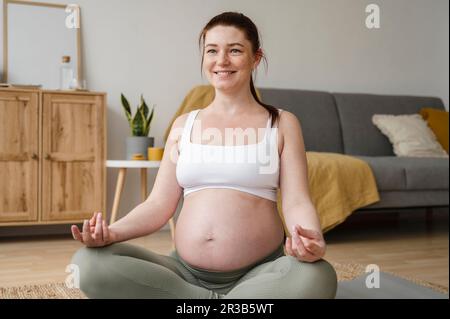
<point x="52" y="156"/>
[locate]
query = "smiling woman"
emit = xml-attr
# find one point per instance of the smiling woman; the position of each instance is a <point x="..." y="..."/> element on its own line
<point x="228" y="65"/>
<point x="229" y="240"/>
<point x="243" y="52"/>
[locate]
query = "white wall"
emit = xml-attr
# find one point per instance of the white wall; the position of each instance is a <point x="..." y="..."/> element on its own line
<point x="150" y="47"/>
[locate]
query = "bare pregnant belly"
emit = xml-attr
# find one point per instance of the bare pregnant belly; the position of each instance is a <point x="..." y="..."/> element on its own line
<point x="224" y="229"/>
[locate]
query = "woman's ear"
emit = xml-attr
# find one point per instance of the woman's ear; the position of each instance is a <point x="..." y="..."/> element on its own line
<point x="258" y="55"/>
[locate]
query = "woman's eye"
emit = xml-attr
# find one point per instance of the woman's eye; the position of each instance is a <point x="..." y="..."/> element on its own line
<point x="232" y="50"/>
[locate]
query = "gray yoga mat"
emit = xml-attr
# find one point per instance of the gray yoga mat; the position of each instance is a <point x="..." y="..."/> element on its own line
<point x="391" y="287"/>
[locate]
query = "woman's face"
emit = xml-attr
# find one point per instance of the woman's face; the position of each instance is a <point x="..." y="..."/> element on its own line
<point x="228" y="59"/>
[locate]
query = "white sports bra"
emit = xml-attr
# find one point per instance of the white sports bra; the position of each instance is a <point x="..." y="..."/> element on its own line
<point x="251" y="168"/>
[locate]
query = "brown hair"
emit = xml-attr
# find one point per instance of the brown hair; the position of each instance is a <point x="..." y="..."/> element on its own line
<point x="243" y="23"/>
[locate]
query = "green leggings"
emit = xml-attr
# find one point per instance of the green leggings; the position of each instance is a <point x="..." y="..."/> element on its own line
<point x="123" y="270"/>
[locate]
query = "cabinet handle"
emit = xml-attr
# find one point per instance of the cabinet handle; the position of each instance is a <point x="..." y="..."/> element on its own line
<point x="34" y="156"/>
<point x="48" y="157"/>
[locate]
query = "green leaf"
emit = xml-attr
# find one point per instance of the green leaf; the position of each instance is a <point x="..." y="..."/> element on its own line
<point x="138" y="124"/>
<point x="126" y="107"/>
<point x="149" y="120"/>
<point x="144" y="106"/>
<point x="144" y="122"/>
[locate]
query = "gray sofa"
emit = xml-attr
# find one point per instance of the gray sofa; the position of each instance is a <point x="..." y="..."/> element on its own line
<point x="341" y="123"/>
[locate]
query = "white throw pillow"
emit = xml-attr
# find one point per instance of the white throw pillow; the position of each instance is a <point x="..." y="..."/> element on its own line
<point x="410" y="135"/>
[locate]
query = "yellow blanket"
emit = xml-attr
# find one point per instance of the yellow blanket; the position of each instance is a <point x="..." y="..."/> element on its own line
<point x="339" y="184"/>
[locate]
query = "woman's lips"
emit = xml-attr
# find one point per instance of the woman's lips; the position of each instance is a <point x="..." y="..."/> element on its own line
<point x="224" y="75"/>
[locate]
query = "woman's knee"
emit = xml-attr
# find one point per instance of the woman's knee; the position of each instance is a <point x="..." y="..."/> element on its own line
<point x="326" y="279"/>
<point x="85" y="257"/>
<point x="317" y="279"/>
<point x="89" y="265"/>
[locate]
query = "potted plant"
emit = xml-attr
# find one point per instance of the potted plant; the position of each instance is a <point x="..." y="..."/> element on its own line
<point x="138" y="143"/>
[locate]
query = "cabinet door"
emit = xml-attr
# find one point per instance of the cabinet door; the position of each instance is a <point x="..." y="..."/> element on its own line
<point x="19" y="150"/>
<point x="73" y="150"/>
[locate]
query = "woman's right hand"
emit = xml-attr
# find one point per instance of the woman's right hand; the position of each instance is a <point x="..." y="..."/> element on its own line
<point x="96" y="233"/>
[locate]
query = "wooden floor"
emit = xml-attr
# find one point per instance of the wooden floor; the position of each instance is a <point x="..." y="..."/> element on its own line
<point x="404" y="244"/>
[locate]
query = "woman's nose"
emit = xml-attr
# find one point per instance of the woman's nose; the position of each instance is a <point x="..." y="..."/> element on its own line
<point x="222" y="59"/>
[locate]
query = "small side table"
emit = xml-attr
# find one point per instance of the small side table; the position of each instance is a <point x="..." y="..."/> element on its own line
<point x="122" y="166"/>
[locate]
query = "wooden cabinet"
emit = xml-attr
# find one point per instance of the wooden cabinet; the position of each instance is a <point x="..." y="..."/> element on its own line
<point x="19" y="156"/>
<point x="52" y="156"/>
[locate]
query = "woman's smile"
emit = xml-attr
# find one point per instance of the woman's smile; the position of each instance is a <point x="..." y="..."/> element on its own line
<point x="224" y="75"/>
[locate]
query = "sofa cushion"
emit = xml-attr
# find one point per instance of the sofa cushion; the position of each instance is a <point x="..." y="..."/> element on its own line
<point x="438" y="121"/>
<point x="359" y="135"/>
<point x="407" y="173"/>
<point x="410" y="135"/>
<point x="316" y="112"/>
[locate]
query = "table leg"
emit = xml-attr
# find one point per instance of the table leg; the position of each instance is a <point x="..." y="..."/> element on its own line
<point x="119" y="188"/>
<point x="143" y="184"/>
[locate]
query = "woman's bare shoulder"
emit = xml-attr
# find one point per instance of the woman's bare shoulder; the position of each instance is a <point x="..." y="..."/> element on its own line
<point x="287" y="120"/>
<point x="178" y="126"/>
<point x="288" y="124"/>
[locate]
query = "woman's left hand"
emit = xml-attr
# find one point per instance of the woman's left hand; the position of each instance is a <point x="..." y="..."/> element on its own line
<point x="305" y="244"/>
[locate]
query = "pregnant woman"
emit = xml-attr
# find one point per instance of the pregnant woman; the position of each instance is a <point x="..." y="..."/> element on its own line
<point x="229" y="238"/>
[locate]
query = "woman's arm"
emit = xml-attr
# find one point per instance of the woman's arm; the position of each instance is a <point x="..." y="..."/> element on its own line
<point x="149" y="216"/>
<point x="144" y="219"/>
<point x="306" y="242"/>
<point x="162" y="202"/>
<point x="296" y="199"/>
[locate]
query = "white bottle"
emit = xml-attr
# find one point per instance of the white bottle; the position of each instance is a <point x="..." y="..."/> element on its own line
<point x="66" y="73"/>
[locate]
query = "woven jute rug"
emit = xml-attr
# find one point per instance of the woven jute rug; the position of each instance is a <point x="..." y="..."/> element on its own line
<point x="345" y="272"/>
